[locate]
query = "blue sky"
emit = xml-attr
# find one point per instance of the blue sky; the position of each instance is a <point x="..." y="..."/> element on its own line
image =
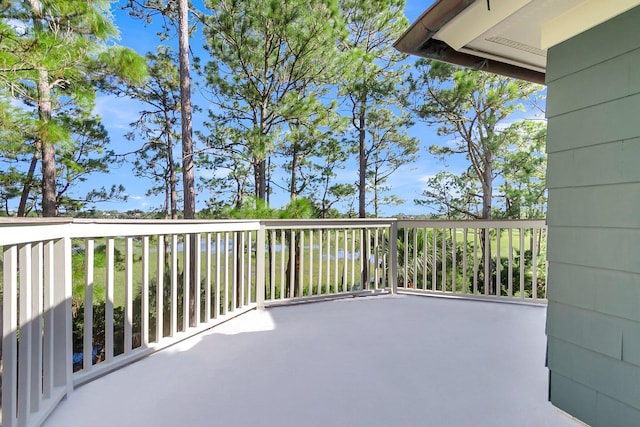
<point x="407" y="183"/>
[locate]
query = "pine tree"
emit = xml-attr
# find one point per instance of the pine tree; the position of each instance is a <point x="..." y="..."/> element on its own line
<point x="54" y="52"/>
<point x="268" y="62"/>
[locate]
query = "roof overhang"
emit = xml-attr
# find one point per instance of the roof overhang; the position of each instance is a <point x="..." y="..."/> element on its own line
<point x="508" y="37"/>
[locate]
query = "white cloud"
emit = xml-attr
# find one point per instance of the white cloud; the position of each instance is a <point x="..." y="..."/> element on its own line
<point x="117" y="113"/>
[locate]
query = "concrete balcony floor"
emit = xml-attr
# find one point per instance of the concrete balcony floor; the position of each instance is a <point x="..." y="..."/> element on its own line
<point x="376" y="361"/>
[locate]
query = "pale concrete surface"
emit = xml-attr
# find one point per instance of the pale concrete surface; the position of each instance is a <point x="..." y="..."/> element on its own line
<point x="377" y="361"/>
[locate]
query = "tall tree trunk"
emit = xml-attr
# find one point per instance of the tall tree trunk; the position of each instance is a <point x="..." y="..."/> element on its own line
<point x="187" y="149"/>
<point x="49" y="205"/>
<point x="362" y="182"/>
<point x="293" y="190"/>
<point x="293" y="262"/>
<point x="167" y="198"/>
<point x="26" y="189"/>
<point x="260" y="178"/>
<point x="362" y="212"/>
<point x="185" y="112"/>
<point x="45" y="109"/>
<point x="173" y="179"/>
<point x="267" y="180"/>
<point x="487" y="197"/>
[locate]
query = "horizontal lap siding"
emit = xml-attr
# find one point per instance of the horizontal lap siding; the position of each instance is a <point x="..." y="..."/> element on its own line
<point x="593" y="320"/>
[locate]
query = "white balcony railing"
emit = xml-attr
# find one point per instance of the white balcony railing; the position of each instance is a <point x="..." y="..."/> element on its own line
<point x="82" y="298"/>
<point x="480" y="259"/>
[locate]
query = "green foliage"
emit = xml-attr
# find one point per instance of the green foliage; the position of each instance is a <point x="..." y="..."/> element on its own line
<point x="474" y="108"/>
<point x="54" y="54"/>
<point x="270" y="63"/>
<point x="157" y="126"/>
<point x="371" y="84"/>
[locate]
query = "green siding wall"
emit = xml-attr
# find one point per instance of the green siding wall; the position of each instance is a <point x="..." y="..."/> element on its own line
<point x="593" y="319"/>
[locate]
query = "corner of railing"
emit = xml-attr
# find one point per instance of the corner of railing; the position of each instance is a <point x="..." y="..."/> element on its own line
<point x="393" y="255"/>
<point x="63" y="361"/>
<point x="260" y="266"/>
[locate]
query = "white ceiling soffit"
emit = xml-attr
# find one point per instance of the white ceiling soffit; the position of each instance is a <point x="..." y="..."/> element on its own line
<point x="580" y="18"/>
<point x="519" y="32"/>
<point x="477" y="19"/>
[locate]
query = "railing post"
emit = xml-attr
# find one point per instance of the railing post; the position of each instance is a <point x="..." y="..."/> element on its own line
<point x="393" y="255"/>
<point x="260" y="266"/>
<point x="63" y="364"/>
<point x="9" y="333"/>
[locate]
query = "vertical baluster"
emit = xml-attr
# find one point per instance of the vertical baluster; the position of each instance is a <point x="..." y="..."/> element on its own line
<point x="187" y="276"/>
<point x="369" y="258"/>
<point x="283" y="270"/>
<point x="25" y="321"/>
<point x="393" y="257"/>
<point x="425" y="268"/>
<point x="144" y="324"/>
<point x="62" y="339"/>
<point x="225" y="285"/>
<point x="272" y="265"/>
<point x="36" y="328"/>
<point x="48" y="306"/>
<point x="234" y="271"/>
<point x="405" y="258"/>
<point x="108" y="309"/>
<point x="376" y="259"/>
<point x="522" y="262"/>
<point x="328" y="263"/>
<point x="311" y="251"/>
<point x="128" y="292"/>
<point x="292" y="262"/>
<point x="353" y="258"/>
<point x="534" y="264"/>
<point x="443" y="254"/>
<point x="89" y="250"/>
<point x="197" y="277"/>
<point x="476" y="255"/>
<point x="9" y="335"/>
<point x="320" y="264"/>
<point x="415" y="258"/>
<point x="160" y="290"/>
<point x="434" y="259"/>
<point x="299" y="271"/>
<point x="282" y="276"/>
<point x="345" y="260"/>
<point x="487" y="260"/>
<point x="498" y="261"/>
<point x="207" y="290"/>
<point x="260" y="267"/>
<point x="454" y="256"/>
<point x="510" y="264"/>
<point x="216" y="302"/>
<point x="465" y="287"/>
<point x="249" y="267"/>
<point x="336" y="245"/>
<point x="241" y="279"/>
<point x="174" y="285"/>
<point x="384" y="250"/>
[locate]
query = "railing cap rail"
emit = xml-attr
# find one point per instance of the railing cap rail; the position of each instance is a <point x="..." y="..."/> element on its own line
<point x="162" y="221"/>
<point x="327" y="222"/>
<point x="14" y="221"/>
<point x="473" y="223"/>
